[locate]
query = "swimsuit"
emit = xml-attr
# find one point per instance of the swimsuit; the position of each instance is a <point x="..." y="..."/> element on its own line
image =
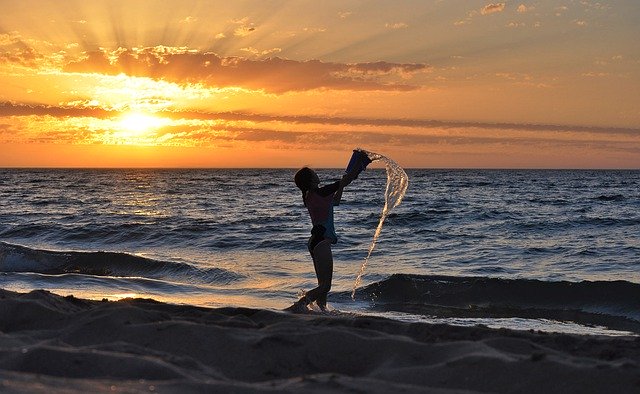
<point x="320" y="206"/>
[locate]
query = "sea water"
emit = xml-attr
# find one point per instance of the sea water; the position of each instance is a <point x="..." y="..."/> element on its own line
<point x="522" y="249"/>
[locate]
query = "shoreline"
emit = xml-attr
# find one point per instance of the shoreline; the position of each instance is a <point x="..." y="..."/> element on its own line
<point x="54" y="343"/>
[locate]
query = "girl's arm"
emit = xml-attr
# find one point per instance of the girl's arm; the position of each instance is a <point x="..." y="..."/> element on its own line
<point x="345" y="181"/>
<point x="348" y="178"/>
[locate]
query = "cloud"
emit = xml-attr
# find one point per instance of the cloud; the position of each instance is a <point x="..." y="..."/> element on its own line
<point x="21" y="109"/>
<point x="189" y="19"/>
<point x="486" y="10"/>
<point x="410" y="123"/>
<point x="246" y="28"/>
<point x="314" y="29"/>
<point x="492" y="8"/>
<point x="23" y="56"/>
<point x="258" y="53"/>
<point x="8" y="109"/>
<point x="275" y="75"/>
<point x="396" y="26"/>
<point x="300" y="132"/>
<point x="240" y="21"/>
<point x="22" y="123"/>
<point x="9" y="38"/>
<point x="243" y="31"/>
<point x="516" y="24"/>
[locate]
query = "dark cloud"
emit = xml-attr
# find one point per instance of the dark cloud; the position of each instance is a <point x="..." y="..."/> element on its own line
<point x="16" y="109"/>
<point x="413" y="123"/>
<point x="338" y="139"/>
<point x="22" y="56"/>
<point x="257" y="130"/>
<point x="272" y="75"/>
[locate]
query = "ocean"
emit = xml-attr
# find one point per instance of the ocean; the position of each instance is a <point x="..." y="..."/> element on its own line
<point x="549" y="250"/>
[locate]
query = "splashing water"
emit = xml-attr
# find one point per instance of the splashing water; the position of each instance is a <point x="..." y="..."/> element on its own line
<point x="397" y="184"/>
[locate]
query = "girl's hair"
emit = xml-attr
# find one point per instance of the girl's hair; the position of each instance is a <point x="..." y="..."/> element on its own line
<point x="303" y="179"/>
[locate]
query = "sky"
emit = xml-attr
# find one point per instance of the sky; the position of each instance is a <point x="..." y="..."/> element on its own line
<point x="430" y="84"/>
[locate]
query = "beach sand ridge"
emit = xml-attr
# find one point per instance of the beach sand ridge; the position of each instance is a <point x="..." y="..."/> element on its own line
<point x="50" y="343"/>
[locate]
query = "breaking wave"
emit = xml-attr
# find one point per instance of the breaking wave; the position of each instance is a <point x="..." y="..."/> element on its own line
<point x="16" y="258"/>
<point x="612" y="304"/>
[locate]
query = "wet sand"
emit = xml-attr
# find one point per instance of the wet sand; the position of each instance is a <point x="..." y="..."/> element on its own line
<point x="50" y="343"/>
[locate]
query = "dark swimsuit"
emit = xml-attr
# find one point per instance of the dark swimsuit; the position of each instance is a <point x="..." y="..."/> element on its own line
<point x="320" y="205"/>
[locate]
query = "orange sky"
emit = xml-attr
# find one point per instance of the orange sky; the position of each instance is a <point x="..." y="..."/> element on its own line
<point x="540" y="84"/>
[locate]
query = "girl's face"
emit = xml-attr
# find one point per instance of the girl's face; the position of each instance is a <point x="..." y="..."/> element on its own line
<point x="315" y="181"/>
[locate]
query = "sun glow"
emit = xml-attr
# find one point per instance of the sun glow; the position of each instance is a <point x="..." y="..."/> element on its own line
<point x="137" y="123"/>
<point x="137" y="128"/>
<point x="123" y="83"/>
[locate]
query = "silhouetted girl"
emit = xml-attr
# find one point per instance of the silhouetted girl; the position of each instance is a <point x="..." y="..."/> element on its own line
<point x="319" y="202"/>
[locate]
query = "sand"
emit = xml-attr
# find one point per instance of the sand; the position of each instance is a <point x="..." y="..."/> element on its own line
<point x="50" y="343"/>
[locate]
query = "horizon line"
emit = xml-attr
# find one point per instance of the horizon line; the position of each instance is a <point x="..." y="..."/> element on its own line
<point x="324" y="168"/>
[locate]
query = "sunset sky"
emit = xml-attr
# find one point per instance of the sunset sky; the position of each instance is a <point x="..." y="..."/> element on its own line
<point x="456" y="84"/>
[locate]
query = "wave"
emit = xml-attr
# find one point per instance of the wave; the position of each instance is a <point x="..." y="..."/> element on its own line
<point x="611" y="197"/>
<point x="612" y="304"/>
<point x="16" y="258"/>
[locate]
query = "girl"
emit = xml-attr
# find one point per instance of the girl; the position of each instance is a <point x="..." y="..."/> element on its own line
<point x="319" y="202"/>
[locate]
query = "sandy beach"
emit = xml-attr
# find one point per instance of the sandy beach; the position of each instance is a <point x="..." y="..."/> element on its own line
<point x="50" y="343"/>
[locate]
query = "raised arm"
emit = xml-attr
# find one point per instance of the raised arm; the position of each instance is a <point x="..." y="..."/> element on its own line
<point x="359" y="162"/>
<point x="345" y="181"/>
<point x="348" y="178"/>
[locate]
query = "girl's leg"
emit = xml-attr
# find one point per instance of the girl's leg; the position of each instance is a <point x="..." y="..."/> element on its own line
<point x="323" y="264"/>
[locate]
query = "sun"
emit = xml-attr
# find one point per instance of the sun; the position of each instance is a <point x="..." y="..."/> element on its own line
<point x="138" y="128"/>
<point x="138" y="123"/>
